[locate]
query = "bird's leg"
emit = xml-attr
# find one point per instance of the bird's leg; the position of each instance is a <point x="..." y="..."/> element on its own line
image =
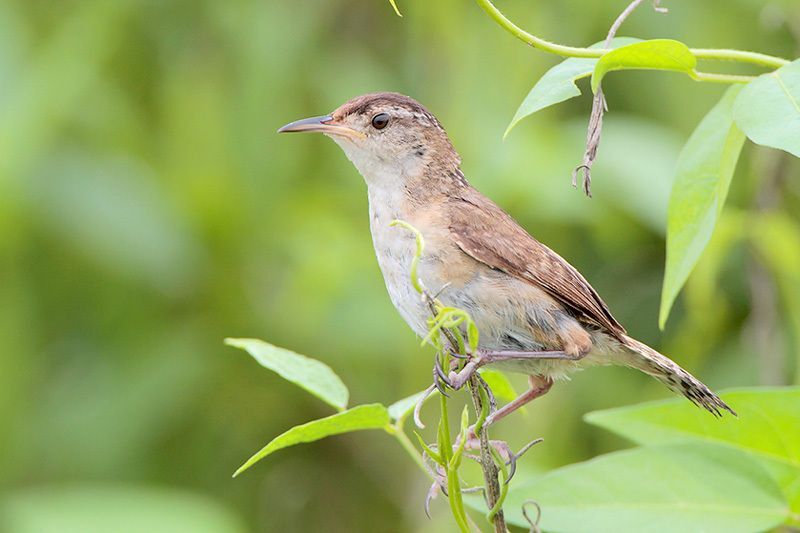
<point x="456" y="380"/>
<point x="496" y="356"/>
<point x="539" y="386"/>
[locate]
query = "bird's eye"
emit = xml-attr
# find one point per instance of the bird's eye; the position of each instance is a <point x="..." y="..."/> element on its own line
<point x="380" y="121"/>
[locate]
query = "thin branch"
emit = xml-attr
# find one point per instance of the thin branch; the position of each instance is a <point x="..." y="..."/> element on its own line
<point x="599" y="107"/>
<point x="399" y="433"/>
<point x="741" y="56"/>
<point x="720" y="78"/>
<point x="492" y="492"/>
<point x="621" y="18"/>
<point x="536" y="42"/>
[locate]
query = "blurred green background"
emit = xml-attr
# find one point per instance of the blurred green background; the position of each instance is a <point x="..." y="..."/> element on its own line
<point x="148" y="210"/>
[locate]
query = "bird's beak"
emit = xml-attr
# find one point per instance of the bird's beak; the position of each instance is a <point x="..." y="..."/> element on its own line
<point x="324" y="124"/>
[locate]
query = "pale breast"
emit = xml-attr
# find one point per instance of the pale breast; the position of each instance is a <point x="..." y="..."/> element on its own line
<point x="395" y="247"/>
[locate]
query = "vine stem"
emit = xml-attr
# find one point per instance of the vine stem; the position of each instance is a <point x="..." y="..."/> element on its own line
<point x="487" y="462"/>
<point x="741" y="56"/>
<point x="398" y="433"/>
<point x="453" y="482"/>
<point x="720" y="78"/>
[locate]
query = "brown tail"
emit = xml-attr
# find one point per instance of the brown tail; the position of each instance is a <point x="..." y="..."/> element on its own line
<point x="674" y="377"/>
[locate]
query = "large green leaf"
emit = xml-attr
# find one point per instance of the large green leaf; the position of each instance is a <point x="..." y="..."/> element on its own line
<point x="369" y="416"/>
<point x="558" y="83"/>
<point x="768" y="427"/>
<point x="656" y="54"/>
<point x="312" y="375"/>
<point x="704" y="171"/>
<point x="768" y="423"/>
<point x="100" y="508"/>
<point x="690" y="487"/>
<point x="768" y="109"/>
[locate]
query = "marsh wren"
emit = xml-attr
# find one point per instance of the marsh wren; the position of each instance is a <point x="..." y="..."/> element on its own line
<point x="536" y="314"/>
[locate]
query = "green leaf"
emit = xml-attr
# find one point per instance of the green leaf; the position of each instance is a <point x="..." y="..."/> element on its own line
<point x="558" y="83"/>
<point x="369" y="416"/>
<point x="704" y="171"/>
<point x="656" y="54"/>
<point x="101" y="507"/>
<point x="430" y="451"/>
<point x="768" y="423"/>
<point x="768" y="109"/>
<point x="394" y="5"/>
<point x="400" y="409"/>
<point x="499" y="383"/>
<point x="314" y="376"/>
<point x="768" y="427"/>
<point x="694" y="487"/>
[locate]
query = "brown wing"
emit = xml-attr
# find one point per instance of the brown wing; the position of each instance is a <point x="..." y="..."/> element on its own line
<point x="487" y="233"/>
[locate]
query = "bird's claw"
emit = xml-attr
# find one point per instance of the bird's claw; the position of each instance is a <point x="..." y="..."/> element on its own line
<point x="456" y="380"/>
<point x="440" y="379"/>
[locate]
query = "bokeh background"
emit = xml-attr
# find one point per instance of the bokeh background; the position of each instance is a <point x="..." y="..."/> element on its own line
<point x="148" y="210"/>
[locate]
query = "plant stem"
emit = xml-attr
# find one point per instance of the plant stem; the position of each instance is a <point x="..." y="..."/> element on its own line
<point x="453" y="483"/>
<point x="536" y="42"/>
<point x="720" y="78"/>
<point x="741" y="56"/>
<point x="487" y="462"/>
<point x="408" y="446"/>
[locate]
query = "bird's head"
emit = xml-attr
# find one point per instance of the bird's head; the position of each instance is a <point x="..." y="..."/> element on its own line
<point x="388" y="137"/>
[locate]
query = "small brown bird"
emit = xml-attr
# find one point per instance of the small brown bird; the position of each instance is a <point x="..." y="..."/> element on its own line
<point x="536" y="314"/>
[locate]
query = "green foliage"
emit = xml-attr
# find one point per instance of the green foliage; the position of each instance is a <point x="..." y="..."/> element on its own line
<point x="100" y="508"/>
<point x="692" y="487"/>
<point x="656" y="54"/>
<point x="370" y="416"/>
<point x="766" y="425"/>
<point x="767" y="429"/>
<point x="693" y="471"/>
<point x="147" y="209"/>
<point x="499" y="383"/>
<point x="318" y="379"/>
<point x="402" y="408"/>
<point x="768" y="109"/>
<point x="558" y="83"/>
<point x="312" y="375"/>
<point x="704" y="171"/>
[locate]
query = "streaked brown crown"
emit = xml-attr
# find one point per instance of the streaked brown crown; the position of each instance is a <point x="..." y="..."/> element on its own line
<point x="367" y="104"/>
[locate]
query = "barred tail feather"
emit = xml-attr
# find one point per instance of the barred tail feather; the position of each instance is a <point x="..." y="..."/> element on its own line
<point x="673" y="376"/>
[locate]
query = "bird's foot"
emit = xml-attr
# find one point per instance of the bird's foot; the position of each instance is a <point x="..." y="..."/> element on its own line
<point x="456" y="379"/>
